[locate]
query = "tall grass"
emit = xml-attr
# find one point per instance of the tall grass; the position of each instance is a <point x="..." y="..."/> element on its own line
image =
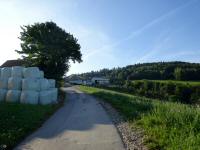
<point x="168" y="126"/>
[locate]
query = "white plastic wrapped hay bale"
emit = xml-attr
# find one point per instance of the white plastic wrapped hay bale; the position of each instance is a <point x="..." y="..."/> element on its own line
<point x="31" y="84"/>
<point x="31" y="72"/>
<point x="15" y="83"/>
<point x="54" y="95"/>
<point x="44" y="84"/>
<point x="52" y="83"/>
<point x="13" y="96"/>
<point x="48" y="96"/>
<point x="6" y="72"/>
<point x="45" y="97"/>
<point x="3" y="83"/>
<point x="3" y="95"/>
<point x="17" y="71"/>
<point x="41" y="74"/>
<point x="29" y="97"/>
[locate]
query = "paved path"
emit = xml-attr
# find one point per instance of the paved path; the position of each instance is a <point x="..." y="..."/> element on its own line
<point x="81" y="124"/>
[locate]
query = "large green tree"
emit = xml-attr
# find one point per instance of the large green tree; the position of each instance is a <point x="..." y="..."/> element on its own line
<point x="49" y="47"/>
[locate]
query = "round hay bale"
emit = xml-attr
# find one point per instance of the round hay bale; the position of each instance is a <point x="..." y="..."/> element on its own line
<point x="44" y="84"/>
<point x="29" y="97"/>
<point x="13" y="96"/>
<point x="52" y="83"/>
<point x="17" y="71"/>
<point x="2" y="95"/>
<point x="54" y="95"/>
<point x="31" y="84"/>
<point x="41" y="74"/>
<point x="31" y="72"/>
<point x="48" y="96"/>
<point x="15" y="83"/>
<point x="3" y="83"/>
<point x="45" y="97"/>
<point x="6" y="72"/>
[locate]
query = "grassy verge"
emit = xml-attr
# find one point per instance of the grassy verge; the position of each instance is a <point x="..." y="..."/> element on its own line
<point x="19" y="120"/>
<point x="168" y="125"/>
<point x="178" y="82"/>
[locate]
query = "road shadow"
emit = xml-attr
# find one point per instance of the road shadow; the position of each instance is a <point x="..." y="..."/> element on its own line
<point x="81" y="112"/>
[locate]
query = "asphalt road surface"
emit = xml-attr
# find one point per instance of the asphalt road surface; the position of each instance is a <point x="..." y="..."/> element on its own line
<point x="81" y="124"/>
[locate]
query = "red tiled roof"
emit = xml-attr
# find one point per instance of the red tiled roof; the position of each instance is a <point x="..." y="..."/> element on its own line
<point x="11" y="63"/>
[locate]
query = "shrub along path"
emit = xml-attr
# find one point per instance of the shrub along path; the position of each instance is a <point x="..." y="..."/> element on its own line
<point x="81" y="124"/>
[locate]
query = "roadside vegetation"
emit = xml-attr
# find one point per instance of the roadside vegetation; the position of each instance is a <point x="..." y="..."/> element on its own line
<point x="192" y="83"/>
<point x="176" y="91"/>
<point x="19" y="120"/>
<point x="168" y="125"/>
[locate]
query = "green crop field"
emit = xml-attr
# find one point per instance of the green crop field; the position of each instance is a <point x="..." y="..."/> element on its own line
<point x="168" y="125"/>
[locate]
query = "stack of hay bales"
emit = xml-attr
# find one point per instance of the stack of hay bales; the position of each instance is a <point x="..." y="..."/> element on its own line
<point x="26" y="85"/>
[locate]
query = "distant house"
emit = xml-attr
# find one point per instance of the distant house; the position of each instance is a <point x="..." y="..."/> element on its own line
<point x="78" y="82"/>
<point x="12" y="63"/>
<point x="87" y="82"/>
<point x="100" y="81"/>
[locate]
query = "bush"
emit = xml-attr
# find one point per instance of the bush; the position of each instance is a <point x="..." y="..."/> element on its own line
<point x="60" y="83"/>
<point x="167" y="90"/>
<point x="164" y="90"/>
<point x="183" y="93"/>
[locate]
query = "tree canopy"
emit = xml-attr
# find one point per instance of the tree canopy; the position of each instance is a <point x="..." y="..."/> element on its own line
<point x="49" y="47"/>
<point x="152" y="71"/>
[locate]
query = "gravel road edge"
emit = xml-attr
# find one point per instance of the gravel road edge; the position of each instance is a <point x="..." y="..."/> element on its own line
<point x="132" y="137"/>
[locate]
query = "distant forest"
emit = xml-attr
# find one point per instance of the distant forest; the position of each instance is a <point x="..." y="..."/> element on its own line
<point x="182" y="71"/>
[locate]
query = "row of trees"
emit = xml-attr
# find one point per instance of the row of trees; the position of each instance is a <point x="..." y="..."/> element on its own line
<point x="151" y="71"/>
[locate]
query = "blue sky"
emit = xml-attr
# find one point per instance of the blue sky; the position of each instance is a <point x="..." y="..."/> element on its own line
<point x="112" y="33"/>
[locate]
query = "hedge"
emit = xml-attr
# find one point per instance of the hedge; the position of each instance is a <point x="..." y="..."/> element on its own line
<point x="167" y="90"/>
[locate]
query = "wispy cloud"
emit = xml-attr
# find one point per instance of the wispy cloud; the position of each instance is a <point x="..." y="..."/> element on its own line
<point x="184" y="53"/>
<point x="162" y="42"/>
<point x="158" y="46"/>
<point x="142" y="29"/>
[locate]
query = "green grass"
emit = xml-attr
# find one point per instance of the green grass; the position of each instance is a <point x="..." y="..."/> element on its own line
<point x="174" y="81"/>
<point x="168" y="126"/>
<point x="19" y="120"/>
